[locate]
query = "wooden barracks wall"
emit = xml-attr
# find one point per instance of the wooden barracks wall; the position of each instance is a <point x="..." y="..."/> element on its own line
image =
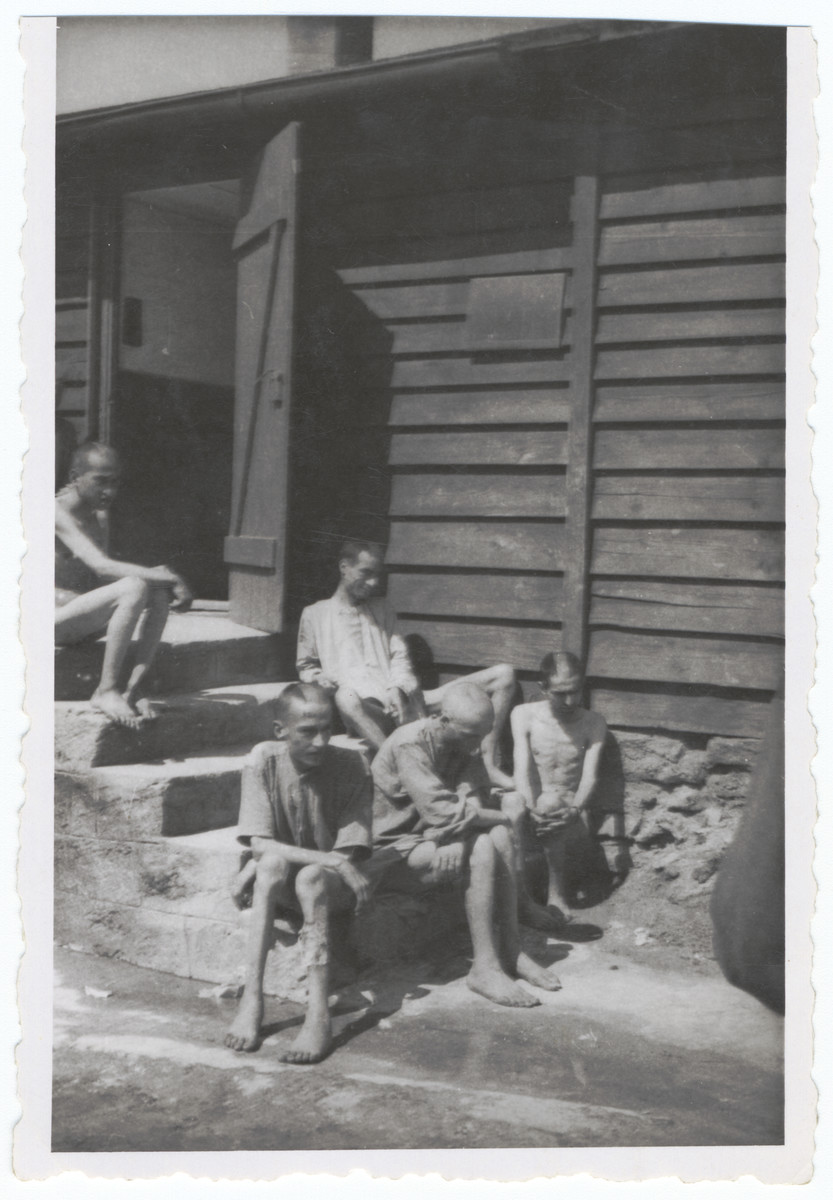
<point x="582" y="376"/>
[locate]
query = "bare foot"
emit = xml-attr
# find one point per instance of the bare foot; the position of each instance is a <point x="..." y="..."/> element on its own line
<point x="312" y="1043"/>
<point x="551" y="919"/>
<point x="500" y="989"/>
<point x="115" y="708"/>
<point x="244" y="1033"/>
<point x="542" y="977"/>
<point x="143" y="709"/>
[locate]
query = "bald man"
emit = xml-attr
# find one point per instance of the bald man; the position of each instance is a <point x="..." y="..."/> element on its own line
<point x="430" y="819"/>
<point x="94" y="592"/>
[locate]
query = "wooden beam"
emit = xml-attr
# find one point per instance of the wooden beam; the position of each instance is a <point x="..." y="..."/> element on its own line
<point x="578" y="485"/>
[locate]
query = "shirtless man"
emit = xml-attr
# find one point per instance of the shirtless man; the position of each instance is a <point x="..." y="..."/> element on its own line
<point x="349" y="646"/>
<point x="429" y="816"/>
<point x="94" y="591"/>
<point x="306" y="812"/>
<point x="558" y="748"/>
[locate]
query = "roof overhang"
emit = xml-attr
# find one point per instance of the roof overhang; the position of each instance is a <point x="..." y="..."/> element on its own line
<point x="293" y="96"/>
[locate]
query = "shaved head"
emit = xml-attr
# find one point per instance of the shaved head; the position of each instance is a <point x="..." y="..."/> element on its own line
<point x="561" y="672"/>
<point x="468" y="705"/>
<point x="90" y="455"/>
<point x="299" y="694"/>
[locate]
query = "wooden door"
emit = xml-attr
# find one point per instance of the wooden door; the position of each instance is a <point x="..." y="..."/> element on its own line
<point x="264" y="243"/>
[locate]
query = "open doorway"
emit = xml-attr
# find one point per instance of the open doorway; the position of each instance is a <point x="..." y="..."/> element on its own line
<point x="173" y="397"/>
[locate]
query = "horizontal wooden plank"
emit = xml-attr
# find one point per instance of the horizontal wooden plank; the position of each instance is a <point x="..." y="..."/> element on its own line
<point x="664" y="658"/>
<point x="506" y="597"/>
<point x="352" y="255"/>
<point x="695" y="197"/>
<point x="686" y="714"/>
<point x="694" y="449"/>
<point x="736" y="400"/>
<point x="73" y="397"/>
<point x="518" y="448"/>
<point x="481" y="645"/>
<point x="71" y="363"/>
<point x="695" y="238"/>
<point x="72" y="324"/>
<point x="689" y="553"/>
<point x="520" y="206"/>
<point x="521" y="262"/>
<point x="469" y="372"/>
<point x="684" y="326"/>
<point x="511" y="546"/>
<point x="416" y="300"/>
<point x="692" y="285"/>
<point x="454" y="337"/>
<point x="688" y="498"/>
<point x="745" y="141"/>
<point x="477" y="495"/>
<point x="695" y="607"/>
<point x="482" y="408"/>
<point x="669" y="362"/>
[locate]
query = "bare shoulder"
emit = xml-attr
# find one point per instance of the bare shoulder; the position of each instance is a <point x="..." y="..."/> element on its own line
<point x="522" y="714"/>
<point x="595" y="726"/>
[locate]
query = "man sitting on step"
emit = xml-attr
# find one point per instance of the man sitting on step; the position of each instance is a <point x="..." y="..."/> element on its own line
<point x="94" y="592"/>
<point x="349" y="646"/>
<point x="431" y="820"/>
<point x="305" y="810"/>
<point x="558" y="750"/>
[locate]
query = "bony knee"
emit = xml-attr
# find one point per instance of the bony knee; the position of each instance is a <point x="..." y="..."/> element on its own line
<point x="347" y="700"/>
<point x="134" y="590"/>
<point x="310" y="881"/>
<point x="512" y="805"/>
<point x="272" y="870"/>
<point x="500" y="839"/>
<point x="483" y="850"/>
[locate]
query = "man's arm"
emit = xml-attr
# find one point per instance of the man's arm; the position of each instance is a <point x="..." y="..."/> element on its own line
<point x="85" y="549"/>
<point x="524" y="783"/>
<point x="446" y="815"/>
<point x="333" y="859"/>
<point x="308" y="664"/>
<point x="592" y="761"/>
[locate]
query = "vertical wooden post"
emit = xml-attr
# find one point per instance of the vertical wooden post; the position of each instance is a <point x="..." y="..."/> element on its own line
<point x="585" y="213"/>
<point x="102" y="294"/>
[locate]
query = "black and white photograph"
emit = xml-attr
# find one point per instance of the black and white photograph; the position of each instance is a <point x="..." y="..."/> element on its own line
<point x="420" y="400"/>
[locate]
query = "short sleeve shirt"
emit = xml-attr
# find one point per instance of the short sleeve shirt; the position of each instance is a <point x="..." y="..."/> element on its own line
<point x="424" y="790"/>
<point x="327" y="808"/>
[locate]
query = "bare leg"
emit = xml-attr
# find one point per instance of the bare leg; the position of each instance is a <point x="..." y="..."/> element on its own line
<point x="241" y="882"/>
<point x="319" y="891"/>
<point x="271" y="885"/>
<point x="151" y="634"/>
<point x="516" y="961"/>
<point x="487" y="975"/>
<point x="499" y="683"/>
<point x="355" y="715"/>
<point x="531" y="914"/>
<point x="118" y="607"/>
<point x="555" y="851"/>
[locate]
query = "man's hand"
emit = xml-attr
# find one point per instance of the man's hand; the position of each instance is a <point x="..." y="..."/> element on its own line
<point x="448" y="862"/>
<point x="396" y="705"/>
<point x="182" y="596"/>
<point x="354" y="879"/>
<point x="326" y="684"/>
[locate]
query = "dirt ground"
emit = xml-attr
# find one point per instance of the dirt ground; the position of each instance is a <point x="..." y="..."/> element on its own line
<point x="628" y="1053"/>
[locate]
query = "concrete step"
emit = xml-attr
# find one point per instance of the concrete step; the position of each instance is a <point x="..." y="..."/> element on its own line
<point x="198" y="650"/>
<point x="147" y="801"/>
<point x="184" y="725"/>
<point x="166" y="904"/>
